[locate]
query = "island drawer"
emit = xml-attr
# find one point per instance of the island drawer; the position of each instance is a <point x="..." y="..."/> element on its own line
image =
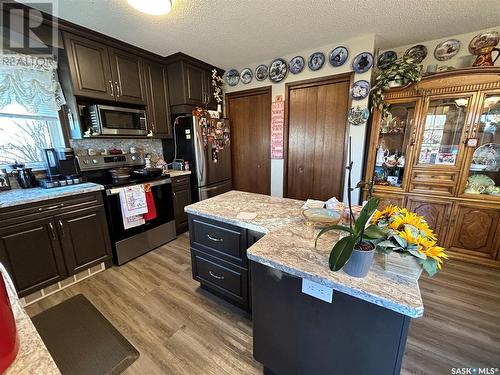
<point x="223" y="278"/>
<point x="222" y="240"/>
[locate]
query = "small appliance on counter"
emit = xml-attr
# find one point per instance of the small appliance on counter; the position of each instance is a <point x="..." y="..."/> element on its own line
<point x="25" y="176"/>
<point x="62" y="168"/>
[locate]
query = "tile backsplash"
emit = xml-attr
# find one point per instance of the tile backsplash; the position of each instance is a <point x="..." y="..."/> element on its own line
<point x="150" y="146"/>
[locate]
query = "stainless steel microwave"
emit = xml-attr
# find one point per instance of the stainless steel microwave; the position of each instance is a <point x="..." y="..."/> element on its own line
<point x="110" y="120"/>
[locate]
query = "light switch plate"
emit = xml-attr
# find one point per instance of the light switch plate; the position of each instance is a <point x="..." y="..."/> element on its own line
<point x="316" y="290"/>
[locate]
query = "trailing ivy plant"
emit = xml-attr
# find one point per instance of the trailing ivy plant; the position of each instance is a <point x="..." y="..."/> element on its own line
<point x="403" y="69"/>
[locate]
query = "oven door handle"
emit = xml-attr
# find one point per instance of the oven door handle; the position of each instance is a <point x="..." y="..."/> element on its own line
<point x="152" y="183"/>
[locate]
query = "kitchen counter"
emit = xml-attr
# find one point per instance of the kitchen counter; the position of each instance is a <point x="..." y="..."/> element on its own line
<point x="175" y="173"/>
<point x="288" y="246"/>
<point x="33" y="356"/>
<point x="23" y="196"/>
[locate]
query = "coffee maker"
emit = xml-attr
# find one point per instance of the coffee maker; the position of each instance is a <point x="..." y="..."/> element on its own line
<point x="62" y="167"/>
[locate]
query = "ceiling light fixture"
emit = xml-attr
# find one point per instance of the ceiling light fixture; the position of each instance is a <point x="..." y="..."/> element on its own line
<point x="154" y="7"/>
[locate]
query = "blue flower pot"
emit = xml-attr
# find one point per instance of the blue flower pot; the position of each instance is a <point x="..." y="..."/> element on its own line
<point x="359" y="263"/>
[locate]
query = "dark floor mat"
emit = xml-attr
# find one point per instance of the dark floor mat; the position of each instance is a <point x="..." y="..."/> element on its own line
<point x="82" y="341"/>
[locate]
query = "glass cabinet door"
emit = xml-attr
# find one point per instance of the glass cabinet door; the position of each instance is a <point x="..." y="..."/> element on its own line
<point x="443" y="124"/>
<point x="484" y="174"/>
<point x="393" y="139"/>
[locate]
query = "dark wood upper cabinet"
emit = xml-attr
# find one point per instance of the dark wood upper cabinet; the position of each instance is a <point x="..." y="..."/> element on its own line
<point x="101" y="72"/>
<point x="190" y="84"/>
<point x="32" y="254"/>
<point x="158" y="108"/>
<point x="127" y="77"/>
<point x="195" y="93"/>
<point x="89" y="67"/>
<point x="84" y="238"/>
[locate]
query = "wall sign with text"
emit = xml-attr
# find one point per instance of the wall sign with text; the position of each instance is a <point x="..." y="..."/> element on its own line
<point x="277" y="125"/>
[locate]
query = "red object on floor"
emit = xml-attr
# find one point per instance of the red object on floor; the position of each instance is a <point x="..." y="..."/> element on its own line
<point x="9" y="345"/>
<point x="151" y="214"/>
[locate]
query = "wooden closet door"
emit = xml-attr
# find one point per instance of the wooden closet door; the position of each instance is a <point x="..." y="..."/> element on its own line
<point x="317" y="118"/>
<point x="249" y="113"/>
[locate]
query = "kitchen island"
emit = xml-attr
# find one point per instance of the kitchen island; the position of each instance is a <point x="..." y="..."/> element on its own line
<point x="362" y="330"/>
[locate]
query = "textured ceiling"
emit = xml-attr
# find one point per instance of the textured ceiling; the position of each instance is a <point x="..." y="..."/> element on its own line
<point x="231" y="33"/>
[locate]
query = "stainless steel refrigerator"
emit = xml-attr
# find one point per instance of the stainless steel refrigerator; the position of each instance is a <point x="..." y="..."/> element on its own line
<point x="204" y="143"/>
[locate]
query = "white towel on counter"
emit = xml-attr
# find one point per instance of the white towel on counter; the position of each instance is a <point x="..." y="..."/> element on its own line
<point x="134" y="206"/>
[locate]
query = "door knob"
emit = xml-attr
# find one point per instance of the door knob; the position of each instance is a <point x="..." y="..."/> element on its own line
<point x="301" y="169"/>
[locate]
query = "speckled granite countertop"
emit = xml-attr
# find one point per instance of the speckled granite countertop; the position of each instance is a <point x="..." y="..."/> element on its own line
<point x="174" y="173"/>
<point x="22" y="196"/>
<point x="33" y="357"/>
<point x="289" y="246"/>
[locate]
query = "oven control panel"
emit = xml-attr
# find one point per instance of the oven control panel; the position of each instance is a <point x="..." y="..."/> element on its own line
<point x="89" y="163"/>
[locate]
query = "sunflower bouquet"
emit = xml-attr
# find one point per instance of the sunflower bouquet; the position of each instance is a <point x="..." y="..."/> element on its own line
<point x="409" y="234"/>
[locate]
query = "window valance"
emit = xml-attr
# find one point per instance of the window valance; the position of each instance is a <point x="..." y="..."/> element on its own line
<point x="31" y="81"/>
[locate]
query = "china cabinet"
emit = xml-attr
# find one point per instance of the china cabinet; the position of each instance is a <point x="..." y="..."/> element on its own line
<point x="437" y="152"/>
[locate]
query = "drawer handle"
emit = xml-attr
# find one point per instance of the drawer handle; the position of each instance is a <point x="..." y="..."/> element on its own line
<point x="216" y="276"/>
<point x="51" y="207"/>
<point x="214" y="239"/>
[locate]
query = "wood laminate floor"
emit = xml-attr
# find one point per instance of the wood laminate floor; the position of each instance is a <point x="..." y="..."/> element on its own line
<point x="182" y="329"/>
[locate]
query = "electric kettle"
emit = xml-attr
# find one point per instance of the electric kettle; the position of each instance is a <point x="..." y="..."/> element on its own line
<point x="25" y="176"/>
<point x="9" y="345"/>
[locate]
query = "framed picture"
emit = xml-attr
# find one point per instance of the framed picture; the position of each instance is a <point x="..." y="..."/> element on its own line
<point x="4" y="180"/>
<point x="446" y="158"/>
<point x="472" y="142"/>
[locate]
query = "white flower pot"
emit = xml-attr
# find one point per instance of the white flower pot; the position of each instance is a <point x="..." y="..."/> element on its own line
<point x="406" y="266"/>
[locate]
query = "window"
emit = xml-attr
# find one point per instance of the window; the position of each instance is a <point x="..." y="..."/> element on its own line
<point x="23" y="136"/>
<point x="30" y="98"/>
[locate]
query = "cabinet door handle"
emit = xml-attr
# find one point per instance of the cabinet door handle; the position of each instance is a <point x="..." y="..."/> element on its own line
<point x="216" y="276"/>
<point x="61" y="225"/>
<point x="118" y="90"/>
<point x="112" y="89"/>
<point x="52" y="231"/>
<point x="173" y="193"/>
<point x="214" y="239"/>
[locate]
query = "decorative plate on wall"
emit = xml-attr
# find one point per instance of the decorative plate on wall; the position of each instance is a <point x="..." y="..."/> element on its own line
<point x="296" y="65"/>
<point x="486" y="39"/>
<point x="232" y="77"/>
<point x="261" y="72"/>
<point x="316" y="61"/>
<point x="447" y="49"/>
<point x="362" y="62"/>
<point x="386" y="59"/>
<point x="246" y="76"/>
<point x="360" y="89"/>
<point x="358" y="116"/>
<point x="338" y="56"/>
<point x="418" y="53"/>
<point x="278" y="70"/>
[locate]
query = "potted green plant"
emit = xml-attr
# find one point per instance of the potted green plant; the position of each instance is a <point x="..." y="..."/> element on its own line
<point x="355" y="251"/>
<point x="401" y="72"/>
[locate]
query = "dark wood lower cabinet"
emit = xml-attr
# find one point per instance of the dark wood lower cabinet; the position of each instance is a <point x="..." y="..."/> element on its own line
<point x="181" y="191"/>
<point x="84" y="238"/>
<point x="45" y="243"/>
<point x="219" y="260"/>
<point x="32" y="254"/>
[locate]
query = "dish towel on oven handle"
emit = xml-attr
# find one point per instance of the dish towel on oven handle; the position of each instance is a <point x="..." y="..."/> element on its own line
<point x="151" y="214"/>
<point x="133" y="205"/>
